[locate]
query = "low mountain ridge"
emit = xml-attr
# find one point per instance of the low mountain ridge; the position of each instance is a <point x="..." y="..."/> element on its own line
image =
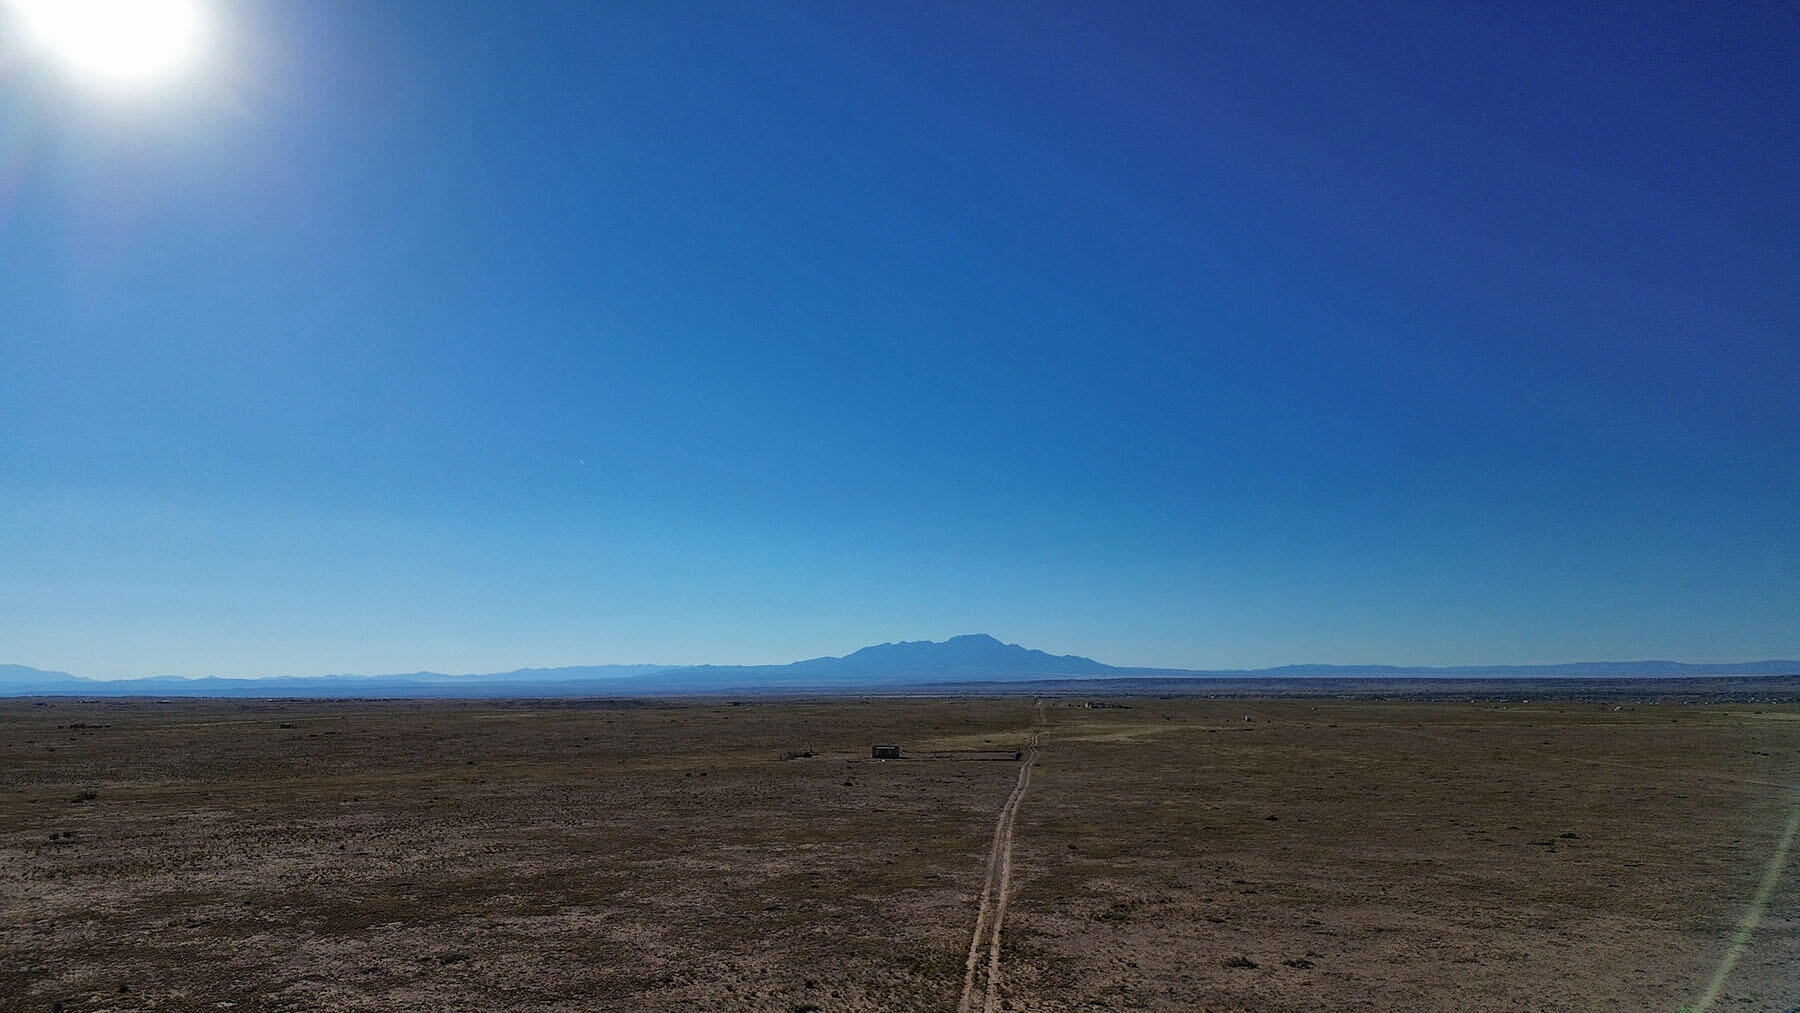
<point x="19" y="680"/>
<point x="970" y="659"/>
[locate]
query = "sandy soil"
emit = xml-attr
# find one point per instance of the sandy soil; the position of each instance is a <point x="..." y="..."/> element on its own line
<point x="1379" y="857"/>
<point x="1170" y="855"/>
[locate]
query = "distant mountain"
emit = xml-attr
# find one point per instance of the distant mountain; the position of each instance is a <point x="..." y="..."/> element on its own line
<point x="1602" y="669"/>
<point x="964" y="661"/>
<point x="973" y="656"/>
<point x="12" y="676"/>
<point x="974" y="652"/>
<point x="584" y="680"/>
<point x="915" y="662"/>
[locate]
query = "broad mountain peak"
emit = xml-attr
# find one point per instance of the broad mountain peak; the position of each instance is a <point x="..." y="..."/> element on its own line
<point x="973" y="639"/>
<point x="970" y="652"/>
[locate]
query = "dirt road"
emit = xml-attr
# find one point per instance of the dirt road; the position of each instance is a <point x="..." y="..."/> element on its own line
<point x="992" y="914"/>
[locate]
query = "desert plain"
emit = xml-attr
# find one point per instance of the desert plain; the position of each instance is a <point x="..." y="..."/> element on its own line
<point x="716" y="854"/>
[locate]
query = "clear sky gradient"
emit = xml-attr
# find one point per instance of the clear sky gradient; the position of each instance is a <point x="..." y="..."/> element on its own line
<point x="472" y="336"/>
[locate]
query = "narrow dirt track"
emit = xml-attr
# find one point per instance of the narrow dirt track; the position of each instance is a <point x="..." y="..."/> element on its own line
<point x="994" y="891"/>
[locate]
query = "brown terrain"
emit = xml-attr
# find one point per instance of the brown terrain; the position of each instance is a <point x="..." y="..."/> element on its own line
<point x="1163" y="854"/>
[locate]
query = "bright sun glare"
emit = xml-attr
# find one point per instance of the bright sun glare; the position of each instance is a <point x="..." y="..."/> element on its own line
<point x="118" y="44"/>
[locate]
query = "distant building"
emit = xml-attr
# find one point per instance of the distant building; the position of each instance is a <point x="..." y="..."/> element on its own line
<point x="883" y="751"/>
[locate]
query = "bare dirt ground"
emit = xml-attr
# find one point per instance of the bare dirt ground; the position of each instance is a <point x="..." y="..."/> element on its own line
<point x="1169" y="855"/>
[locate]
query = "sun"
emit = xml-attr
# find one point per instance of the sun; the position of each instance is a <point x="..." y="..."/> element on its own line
<point x="117" y="44"/>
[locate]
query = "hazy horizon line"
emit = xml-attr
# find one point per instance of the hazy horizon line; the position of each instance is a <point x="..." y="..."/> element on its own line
<point x="651" y="667"/>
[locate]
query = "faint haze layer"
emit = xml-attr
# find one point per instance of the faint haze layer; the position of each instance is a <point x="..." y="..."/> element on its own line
<point x="466" y="336"/>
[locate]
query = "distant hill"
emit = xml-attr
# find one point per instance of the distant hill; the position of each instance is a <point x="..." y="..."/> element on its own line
<point x="1601" y="669"/>
<point x="12" y="676"/>
<point x="963" y="661"/>
<point x="585" y="680"/>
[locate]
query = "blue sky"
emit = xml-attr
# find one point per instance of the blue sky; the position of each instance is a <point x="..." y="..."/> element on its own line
<point x="471" y="336"/>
